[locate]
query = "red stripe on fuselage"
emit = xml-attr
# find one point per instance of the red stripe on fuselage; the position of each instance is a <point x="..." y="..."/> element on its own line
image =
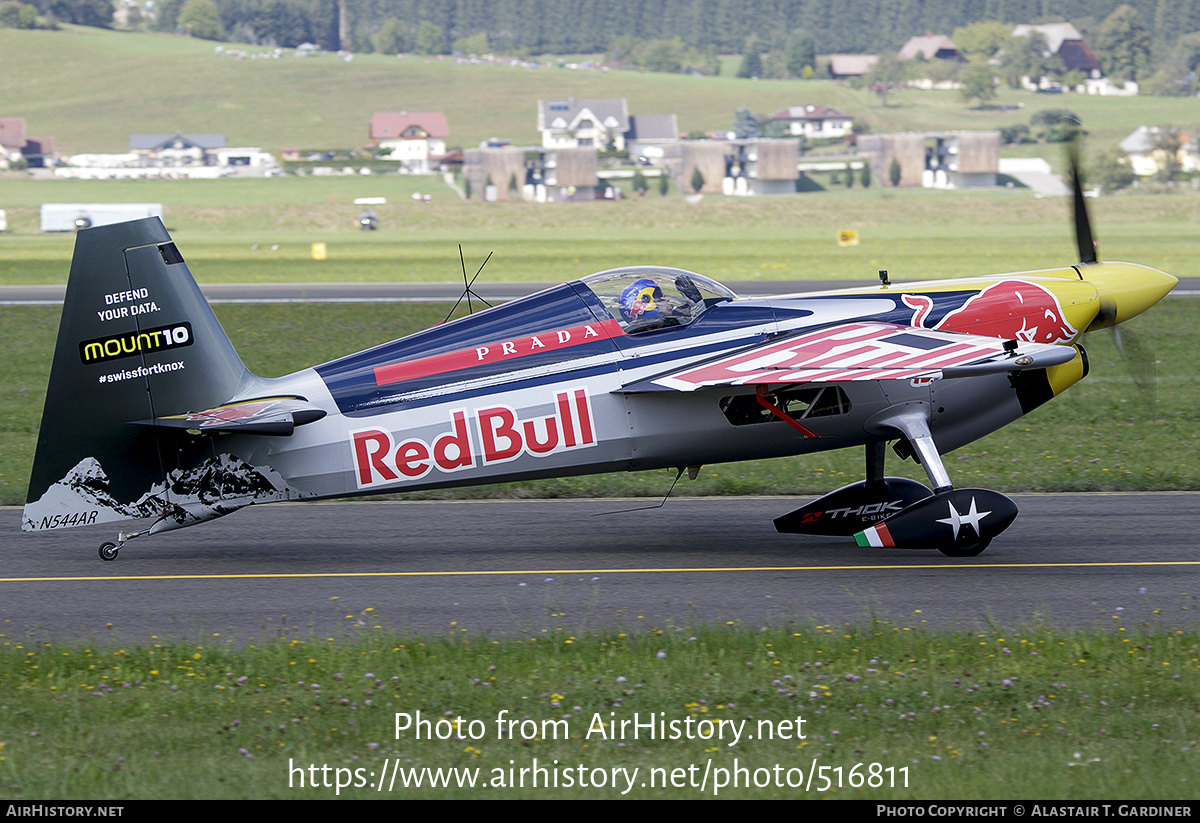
<point x="497" y="352"/>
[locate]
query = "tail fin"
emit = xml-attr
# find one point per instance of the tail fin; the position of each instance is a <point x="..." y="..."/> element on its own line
<point x="137" y="341"/>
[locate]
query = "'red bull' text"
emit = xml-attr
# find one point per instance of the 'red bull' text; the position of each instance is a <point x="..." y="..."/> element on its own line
<point x="480" y="437"/>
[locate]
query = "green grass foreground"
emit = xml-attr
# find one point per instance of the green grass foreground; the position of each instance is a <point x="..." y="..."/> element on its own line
<point x="887" y="710"/>
<point x="1106" y="433"/>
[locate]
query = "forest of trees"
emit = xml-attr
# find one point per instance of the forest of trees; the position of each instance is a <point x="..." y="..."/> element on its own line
<point x="687" y="33"/>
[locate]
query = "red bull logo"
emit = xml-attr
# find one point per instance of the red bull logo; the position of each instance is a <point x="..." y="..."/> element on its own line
<point x="1009" y="310"/>
<point x="497" y="436"/>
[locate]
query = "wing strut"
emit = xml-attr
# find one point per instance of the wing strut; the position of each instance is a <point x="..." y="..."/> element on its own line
<point x="761" y="396"/>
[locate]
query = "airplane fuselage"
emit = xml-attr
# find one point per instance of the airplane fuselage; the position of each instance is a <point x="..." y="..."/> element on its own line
<point x="486" y="408"/>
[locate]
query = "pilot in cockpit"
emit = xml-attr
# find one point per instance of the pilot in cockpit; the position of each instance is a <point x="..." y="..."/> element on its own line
<point x="644" y="306"/>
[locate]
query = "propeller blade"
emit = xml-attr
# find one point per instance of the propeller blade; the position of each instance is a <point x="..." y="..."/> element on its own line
<point x="1083" y="224"/>
<point x="1106" y="316"/>
<point x="1142" y="365"/>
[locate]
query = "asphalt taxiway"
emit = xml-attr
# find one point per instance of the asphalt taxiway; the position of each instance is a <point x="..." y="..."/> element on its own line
<point x="518" y="567"/>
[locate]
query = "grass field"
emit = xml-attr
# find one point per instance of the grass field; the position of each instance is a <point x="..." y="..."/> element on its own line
<point x="91" y="89"/>
<point x="884" y="710"/>
<point x="226" y="229"/>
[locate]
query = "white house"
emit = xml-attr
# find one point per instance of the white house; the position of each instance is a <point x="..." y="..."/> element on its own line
<point x="571" y="123"/>
<point x="1146" y="157"/>
<point x="176" y="150"/>
<point x="815" y="121"/>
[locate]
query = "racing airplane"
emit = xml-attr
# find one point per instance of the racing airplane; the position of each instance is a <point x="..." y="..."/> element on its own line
<point x="150" y="413"/>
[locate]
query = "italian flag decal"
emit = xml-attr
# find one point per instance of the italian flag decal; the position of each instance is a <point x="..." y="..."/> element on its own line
<point x="876" y="537"/>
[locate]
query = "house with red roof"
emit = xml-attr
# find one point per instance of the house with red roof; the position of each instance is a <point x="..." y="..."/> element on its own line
<point x="16" y="147"/>
<point x="417" y="139"/>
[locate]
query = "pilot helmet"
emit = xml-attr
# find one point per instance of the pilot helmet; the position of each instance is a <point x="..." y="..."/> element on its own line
<point x="639" y="300"/>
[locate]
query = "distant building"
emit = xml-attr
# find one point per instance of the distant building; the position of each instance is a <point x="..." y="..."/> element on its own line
<point x="533" y="173"/>
<point x="748" y="168"/>
<point x="1066" y="43"/>
<point x="176" y="150"/>
<point x="172" y="155"/>
<point x="650" y="135"/>
<point x="762" y="167"/>
<point x="417" y="139"/>
<point x="814" y="121"/>
<point x="16" y="145"/>
<point x="931" y="47"/>
<point x="845" y="66"/>
<point x="572" y="123"/>
<point x="940" y="160"/>
<point x="39" y="152"/>
<point x="1146" y="157"/>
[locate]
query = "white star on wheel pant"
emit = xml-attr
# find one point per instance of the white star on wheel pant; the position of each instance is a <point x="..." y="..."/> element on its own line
<point x="972" y="517"/>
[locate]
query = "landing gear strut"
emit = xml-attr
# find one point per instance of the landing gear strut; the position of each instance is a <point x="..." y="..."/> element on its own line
<point x="956" y="522"/>
<point x="108" y="549"/>
<point x="895" y="512"/>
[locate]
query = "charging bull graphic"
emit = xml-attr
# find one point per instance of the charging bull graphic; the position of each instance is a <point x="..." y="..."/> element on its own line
<point x="1010" y="310"/>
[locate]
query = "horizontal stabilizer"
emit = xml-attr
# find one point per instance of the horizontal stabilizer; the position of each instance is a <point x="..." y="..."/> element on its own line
<point x="274" y="416"/>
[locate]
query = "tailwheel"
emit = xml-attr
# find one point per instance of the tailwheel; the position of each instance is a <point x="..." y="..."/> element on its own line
<point x="967" y="550"/>
<point x="108" y="550"/>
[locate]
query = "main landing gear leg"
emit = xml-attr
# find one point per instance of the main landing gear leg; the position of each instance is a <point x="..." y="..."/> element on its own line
<point x="912" y="421"/>
<point x="958" y="523"/>
<point x="876" y="452"/>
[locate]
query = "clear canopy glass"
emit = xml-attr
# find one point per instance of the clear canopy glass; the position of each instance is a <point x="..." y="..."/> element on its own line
<point x="644" y="298"/>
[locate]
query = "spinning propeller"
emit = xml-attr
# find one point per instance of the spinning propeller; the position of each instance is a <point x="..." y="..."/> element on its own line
<point x="1083" y="223"/>
<point x="1120" y="294"/>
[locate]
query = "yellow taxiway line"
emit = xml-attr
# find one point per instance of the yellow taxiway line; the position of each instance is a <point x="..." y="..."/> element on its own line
<point x="560" y="572"/>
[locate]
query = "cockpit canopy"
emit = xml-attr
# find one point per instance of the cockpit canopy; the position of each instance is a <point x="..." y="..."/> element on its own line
<point x="643" y="298"/>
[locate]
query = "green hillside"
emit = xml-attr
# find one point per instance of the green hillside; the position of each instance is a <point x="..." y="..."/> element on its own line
<point x="91" y="88"/>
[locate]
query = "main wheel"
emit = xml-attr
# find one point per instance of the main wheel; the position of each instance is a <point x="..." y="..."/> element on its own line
<point x="108" y="551"/>
<point x="969" y="550"/>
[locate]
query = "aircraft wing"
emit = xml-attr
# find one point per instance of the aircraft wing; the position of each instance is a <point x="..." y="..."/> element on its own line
<point x="860" y="351"/>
